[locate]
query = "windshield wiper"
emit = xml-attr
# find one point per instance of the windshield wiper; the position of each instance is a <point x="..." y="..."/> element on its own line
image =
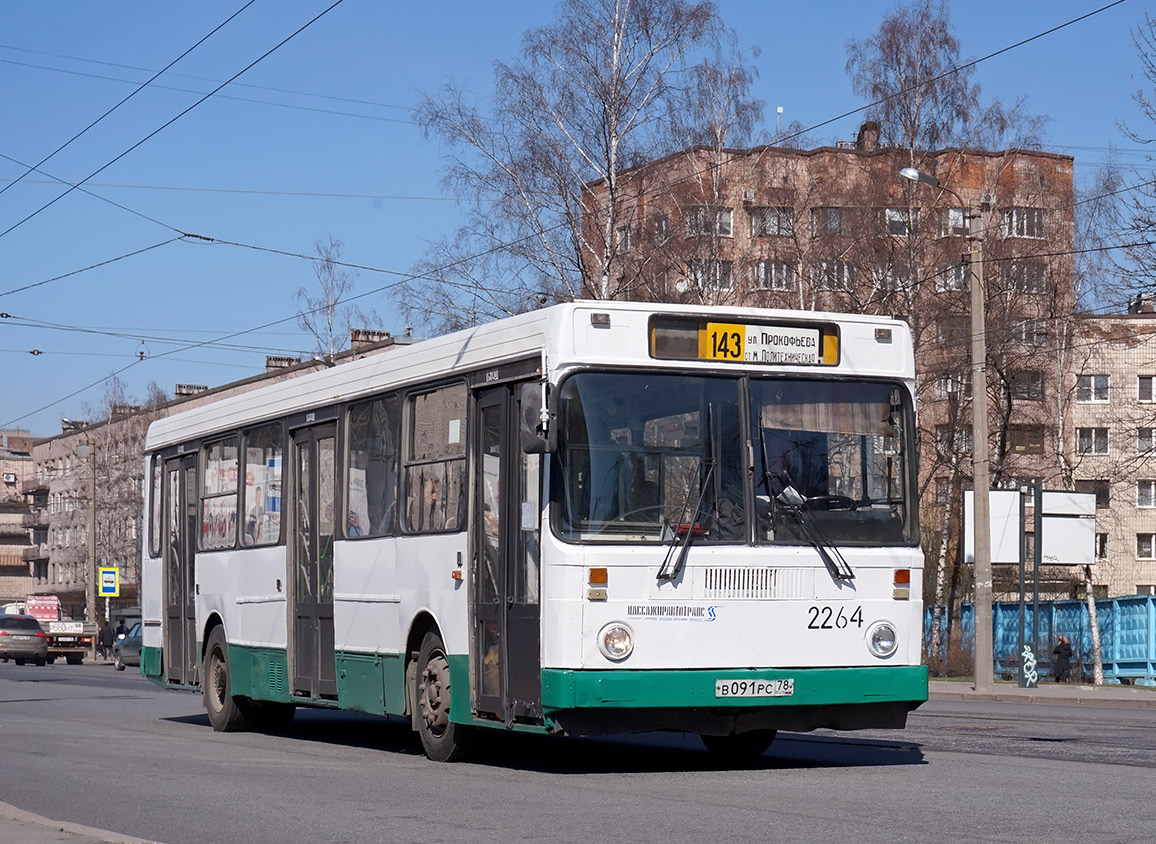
<point x="795" y="504"/>
<point x="673" y="563"/>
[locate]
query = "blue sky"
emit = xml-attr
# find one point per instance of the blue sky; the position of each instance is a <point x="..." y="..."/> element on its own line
<point x="332" y="153"/>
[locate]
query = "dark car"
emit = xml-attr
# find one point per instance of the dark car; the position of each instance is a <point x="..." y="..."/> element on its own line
<point x="126" y="650"/>
<point x="22" y="639"/>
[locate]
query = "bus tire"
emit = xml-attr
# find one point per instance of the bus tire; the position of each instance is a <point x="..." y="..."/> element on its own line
<point x="227" y="714"/>
<point x="739" y="747"/>
<point x="441" y="738"/>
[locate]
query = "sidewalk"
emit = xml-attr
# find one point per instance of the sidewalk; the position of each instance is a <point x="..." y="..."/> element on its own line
<point x="27" y="828"/>
<point x="1069" y="694"/>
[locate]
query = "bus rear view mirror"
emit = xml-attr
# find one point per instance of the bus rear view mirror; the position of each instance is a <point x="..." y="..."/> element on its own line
<point x="536" y="432"/>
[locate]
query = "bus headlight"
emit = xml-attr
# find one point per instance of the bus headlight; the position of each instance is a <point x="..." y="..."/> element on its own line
<point x="882" y="640"/>
<point x="616" y="641"/>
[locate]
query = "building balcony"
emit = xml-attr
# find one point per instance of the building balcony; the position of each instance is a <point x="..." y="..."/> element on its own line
<point x="13" y="530"/>
<point x="36" y="552"/>
<point x="37" y="518"/>
<point x="31" y="485"/>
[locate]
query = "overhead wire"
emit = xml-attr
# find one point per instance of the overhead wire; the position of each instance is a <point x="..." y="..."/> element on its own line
<point x="174" y="119"/>
<point x="134" y="92"/>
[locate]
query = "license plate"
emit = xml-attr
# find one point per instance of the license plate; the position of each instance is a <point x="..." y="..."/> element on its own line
<point x="65" y="639"/>
<point x="21" y="638"/>
<point x="754" y="688"/>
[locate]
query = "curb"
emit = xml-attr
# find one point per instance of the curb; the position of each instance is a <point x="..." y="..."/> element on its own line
<point x="1090" y="700"/>
<point x="9" y="813"/>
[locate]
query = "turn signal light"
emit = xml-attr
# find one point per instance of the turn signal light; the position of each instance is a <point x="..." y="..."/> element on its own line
<point x="598" y="576"/>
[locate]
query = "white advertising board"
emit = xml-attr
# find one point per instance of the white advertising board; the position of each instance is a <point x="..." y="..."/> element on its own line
<point x="1005" y="526"/>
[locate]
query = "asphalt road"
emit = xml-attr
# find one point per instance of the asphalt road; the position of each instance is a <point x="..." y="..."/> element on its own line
<point x="88" y="745"/>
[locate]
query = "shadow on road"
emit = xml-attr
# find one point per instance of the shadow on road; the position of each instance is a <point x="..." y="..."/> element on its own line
<point x="646" y="753"/>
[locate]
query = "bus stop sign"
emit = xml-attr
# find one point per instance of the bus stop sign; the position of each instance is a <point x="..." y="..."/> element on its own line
<point x="109" y="583"/>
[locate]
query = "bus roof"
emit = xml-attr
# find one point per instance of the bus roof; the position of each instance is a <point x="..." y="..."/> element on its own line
<point x="563" y="334"/>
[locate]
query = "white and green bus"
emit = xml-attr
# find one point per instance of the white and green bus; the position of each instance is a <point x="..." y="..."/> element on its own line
<point x="596" y="518"/>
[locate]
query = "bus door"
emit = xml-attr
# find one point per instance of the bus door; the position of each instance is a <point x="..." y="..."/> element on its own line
<point x="310" y="553"/>
<point x="507" y="509"/>
<point x="182" y="658"/>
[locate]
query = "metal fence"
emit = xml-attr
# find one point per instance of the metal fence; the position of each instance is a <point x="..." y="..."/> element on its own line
<point x="1127" y="636"/>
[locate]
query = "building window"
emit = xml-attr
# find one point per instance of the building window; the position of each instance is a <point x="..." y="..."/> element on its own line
<point x="954" y="331"/>
<point x="774" y="275"/>
<point x="1092" y="388"/>
<point x="953" y="386"/>
<point x="890" y="277"/>
<point x="1144" y="387"/>
<point x="1027" y="385"/>
<point x="1091" y="440"/>
<point x="901" y="221"/>
<point x="710" y="219"/>
<point x="942" y="490"/>
<point x="953" y="277"/>
<point x="952" y="222"/>
<point x="1144" y="441"/>
<point x="1144" y="545"/>
<point x="713" y="274"/>
<point x="1101" y="546"/>
<point x="1021" y="222"/>
<point x="1029" y="332"/>
<point x="1026" y="439"/>
<point x="952" y="439"/>
<point x="1028" y="277"/>
<point x="831" y="220"/>
<point x="621" y="240"/>
<point x="1146" y="493"/>
<point x="1146" y="588"/>
<point x="834" y="275"/>
<point x="1100" y="489"/>
<point x="772" y="221"/>
<point x="662" y="228"/>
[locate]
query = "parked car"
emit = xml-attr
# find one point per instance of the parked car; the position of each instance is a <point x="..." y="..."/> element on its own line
<point x="22" y="639"/>
<point x="126" y="650"/>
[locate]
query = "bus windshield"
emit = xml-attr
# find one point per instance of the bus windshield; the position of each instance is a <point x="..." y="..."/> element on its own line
<point x="638" y="452"/>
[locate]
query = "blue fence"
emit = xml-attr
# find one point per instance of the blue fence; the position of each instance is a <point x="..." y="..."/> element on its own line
<point x="1127" y="635"/>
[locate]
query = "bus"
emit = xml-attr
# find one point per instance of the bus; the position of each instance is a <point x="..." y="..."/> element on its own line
<point x="594" y="518"/>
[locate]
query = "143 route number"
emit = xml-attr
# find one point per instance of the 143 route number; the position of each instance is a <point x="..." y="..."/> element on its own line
<point x="827" y="618"/>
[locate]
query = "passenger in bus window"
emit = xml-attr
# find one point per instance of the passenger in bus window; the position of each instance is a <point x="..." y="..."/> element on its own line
<point x="430" y="506"/>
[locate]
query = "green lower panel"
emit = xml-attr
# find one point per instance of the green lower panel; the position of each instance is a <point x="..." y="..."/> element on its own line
<point x="371" y="683"/>
<point x="259" y="673"/>
<point x="662" y="689"/>
<point x="151" y="665"/>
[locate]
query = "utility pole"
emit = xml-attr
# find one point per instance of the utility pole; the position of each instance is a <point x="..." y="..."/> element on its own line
<point x="973" y="222"/>
<point x="87" y="451"/>
<point x="979" y="452"/>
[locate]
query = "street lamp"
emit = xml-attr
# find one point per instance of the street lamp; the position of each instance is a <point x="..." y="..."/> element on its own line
<point x="979" y="422"/>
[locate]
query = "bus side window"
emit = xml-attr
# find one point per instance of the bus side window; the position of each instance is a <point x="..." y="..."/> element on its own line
<point x="372" y="476"/>
<point x="435" y="461"/>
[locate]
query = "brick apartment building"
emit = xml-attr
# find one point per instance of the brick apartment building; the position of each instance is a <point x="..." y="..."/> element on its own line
<point x="15" y="515"/>
<point x="836" y="228"/>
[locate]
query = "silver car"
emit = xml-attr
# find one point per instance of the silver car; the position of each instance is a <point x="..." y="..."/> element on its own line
<point x="22" y="639"/>
<point x="126" y="650"/>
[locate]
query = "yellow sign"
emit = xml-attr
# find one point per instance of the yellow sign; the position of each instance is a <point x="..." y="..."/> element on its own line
<point x="109" y="583"/>
<point x="722" y="341"/>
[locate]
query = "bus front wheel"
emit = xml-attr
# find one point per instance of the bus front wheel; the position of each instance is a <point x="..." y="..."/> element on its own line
<point x="441" y="738"/>
<point x="227" y="714"/>
<point x="739" y="747"/>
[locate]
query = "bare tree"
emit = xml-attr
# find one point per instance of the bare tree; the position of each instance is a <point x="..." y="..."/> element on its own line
<point x="328" y="316"/>
<point x="586" y="100"/>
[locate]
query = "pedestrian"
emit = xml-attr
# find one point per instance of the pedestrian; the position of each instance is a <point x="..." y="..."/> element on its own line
<point x="1062" y="667"/>
<point x="104" y="640"/>
<point x="121" y="629"/>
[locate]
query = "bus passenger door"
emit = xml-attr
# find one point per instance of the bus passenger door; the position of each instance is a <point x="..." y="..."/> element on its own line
<point x="310" y="553"/>
<point x="182" y="660"/>
<point x="506" y="513"/>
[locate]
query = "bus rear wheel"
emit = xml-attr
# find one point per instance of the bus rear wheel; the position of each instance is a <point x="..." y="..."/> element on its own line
<point x="739" y="747"/>
<point x="227" y="714"/>
<point x="441" y="738"/>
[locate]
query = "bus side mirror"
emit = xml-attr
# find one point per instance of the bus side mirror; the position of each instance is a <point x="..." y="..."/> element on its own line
<point x="537" y="434"/>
